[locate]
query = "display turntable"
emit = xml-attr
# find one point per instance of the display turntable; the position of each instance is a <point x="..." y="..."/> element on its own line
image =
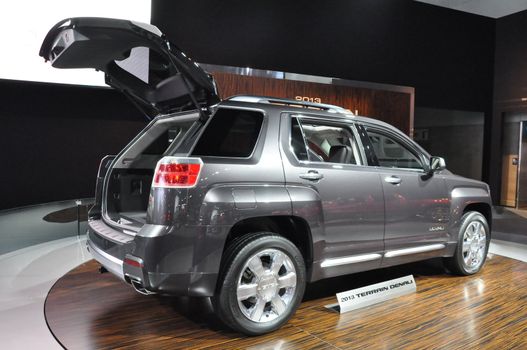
<point x="87" y="310"/>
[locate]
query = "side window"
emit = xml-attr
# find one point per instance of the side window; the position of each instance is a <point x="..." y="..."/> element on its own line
<point x="298" y="146"/>
<point x="230" y="133"/>
<point x="391" y="153"/>
<point x="321" y="142"/>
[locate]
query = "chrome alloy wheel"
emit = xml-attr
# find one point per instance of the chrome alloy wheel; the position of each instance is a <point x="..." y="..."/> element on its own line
<point x="474" y="245"/>
<point x="266" y="285"/>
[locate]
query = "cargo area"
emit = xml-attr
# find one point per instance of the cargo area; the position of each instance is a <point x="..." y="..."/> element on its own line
<point x="127" y="195"/>
<point x="129" y="180"/>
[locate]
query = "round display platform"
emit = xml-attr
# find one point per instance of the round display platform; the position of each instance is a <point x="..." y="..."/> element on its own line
<point x="89" y="310"/>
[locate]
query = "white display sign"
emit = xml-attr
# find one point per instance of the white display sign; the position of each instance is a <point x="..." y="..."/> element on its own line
<point x="375" y="293"/>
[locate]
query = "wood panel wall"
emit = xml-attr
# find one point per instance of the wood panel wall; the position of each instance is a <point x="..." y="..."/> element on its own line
<point x="390" y="106"/>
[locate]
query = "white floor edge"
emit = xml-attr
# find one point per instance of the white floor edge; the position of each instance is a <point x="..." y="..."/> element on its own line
<point x="29" y="273"/>
<point x="508" y="249"/>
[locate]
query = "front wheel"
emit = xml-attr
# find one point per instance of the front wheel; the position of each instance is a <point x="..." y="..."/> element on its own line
<point x="262" y="283"/>
<point x="473" y="245"/>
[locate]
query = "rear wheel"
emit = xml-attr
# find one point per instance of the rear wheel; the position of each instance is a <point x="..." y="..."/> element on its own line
<point x="473" y="245"/>
<point x="261" y="284"/>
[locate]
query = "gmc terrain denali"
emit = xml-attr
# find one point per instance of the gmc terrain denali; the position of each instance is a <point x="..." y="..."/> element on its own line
<point x="246" y="200"/>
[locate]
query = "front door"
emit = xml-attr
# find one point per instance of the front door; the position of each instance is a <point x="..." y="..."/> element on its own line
<point x="323" y="160"/>
<point x="514" y="160"/>
<point x="510" y="158"/>
<point x="416" y="203"/>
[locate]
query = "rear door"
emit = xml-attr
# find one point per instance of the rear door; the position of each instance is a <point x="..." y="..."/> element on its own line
<point x="416" y="202"/>
<point x="323" y="161"/>
<point x="136" y="59"/>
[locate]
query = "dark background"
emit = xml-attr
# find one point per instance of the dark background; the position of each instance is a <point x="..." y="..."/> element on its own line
<point x="54" y="135"/>
<point x="510" y="84"/>
<point x="446" y="55"/>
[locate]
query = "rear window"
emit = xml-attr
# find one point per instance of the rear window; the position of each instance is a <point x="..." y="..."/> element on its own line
<point x="230" y="133"/>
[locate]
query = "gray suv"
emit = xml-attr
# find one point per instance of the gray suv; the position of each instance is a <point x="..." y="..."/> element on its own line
<point x="248" y="199"/>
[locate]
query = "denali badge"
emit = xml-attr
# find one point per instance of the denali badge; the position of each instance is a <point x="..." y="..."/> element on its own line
<point x="436" y="228"/>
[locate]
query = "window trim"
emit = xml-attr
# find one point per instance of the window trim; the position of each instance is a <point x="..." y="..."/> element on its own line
<point x="411" y="148"/>
<point x="303" y="138"/>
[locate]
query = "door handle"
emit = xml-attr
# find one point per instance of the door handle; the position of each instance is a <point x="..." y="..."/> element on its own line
<point x="394" y="180"/>
<point x="311" y="175"/>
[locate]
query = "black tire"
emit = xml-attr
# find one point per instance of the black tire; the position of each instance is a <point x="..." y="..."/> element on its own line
<point x="235" y="272"/>
<point x="457" y="263"/>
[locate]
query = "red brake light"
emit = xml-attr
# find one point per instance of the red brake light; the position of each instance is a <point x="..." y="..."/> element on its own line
<point x="177" y="172"/>
<point x="132" y="262"/>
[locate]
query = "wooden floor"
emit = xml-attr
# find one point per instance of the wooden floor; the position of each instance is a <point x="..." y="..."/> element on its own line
<point x="87" y="310"/>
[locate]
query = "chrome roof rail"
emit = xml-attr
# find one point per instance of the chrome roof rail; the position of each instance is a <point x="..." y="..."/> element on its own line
<point x="289" y="102"/>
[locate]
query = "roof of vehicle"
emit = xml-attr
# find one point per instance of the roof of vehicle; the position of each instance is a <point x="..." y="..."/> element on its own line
<point x="280" y="105"/>
<point x="288" y="105"/>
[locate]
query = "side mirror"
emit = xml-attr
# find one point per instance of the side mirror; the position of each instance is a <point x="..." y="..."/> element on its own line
<point x="437" y="164"/>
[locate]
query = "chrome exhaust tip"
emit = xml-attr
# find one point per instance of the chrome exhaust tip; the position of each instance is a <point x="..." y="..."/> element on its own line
<point x="138" y="287"/>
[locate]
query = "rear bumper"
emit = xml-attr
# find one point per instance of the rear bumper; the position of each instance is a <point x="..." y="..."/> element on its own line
<point x="172" y="260"/>
<point x="110" y="262"/>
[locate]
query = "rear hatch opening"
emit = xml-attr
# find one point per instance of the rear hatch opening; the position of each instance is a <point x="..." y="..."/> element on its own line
<point x="128" y="182"/>
<point x="128" y="199"/>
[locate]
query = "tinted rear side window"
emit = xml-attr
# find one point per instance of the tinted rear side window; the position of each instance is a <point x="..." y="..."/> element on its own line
<point x="230" y="133"/>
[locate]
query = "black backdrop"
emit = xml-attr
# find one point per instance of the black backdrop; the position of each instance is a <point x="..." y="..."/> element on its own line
<point x="510" y="83"/>
<point x="54" y="135"/>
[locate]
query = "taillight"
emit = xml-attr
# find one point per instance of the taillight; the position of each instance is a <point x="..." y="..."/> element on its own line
<point x="177" y="172"/>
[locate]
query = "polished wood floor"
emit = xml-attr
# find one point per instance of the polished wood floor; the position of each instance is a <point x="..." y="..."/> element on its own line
<point x="87" y="310"/>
